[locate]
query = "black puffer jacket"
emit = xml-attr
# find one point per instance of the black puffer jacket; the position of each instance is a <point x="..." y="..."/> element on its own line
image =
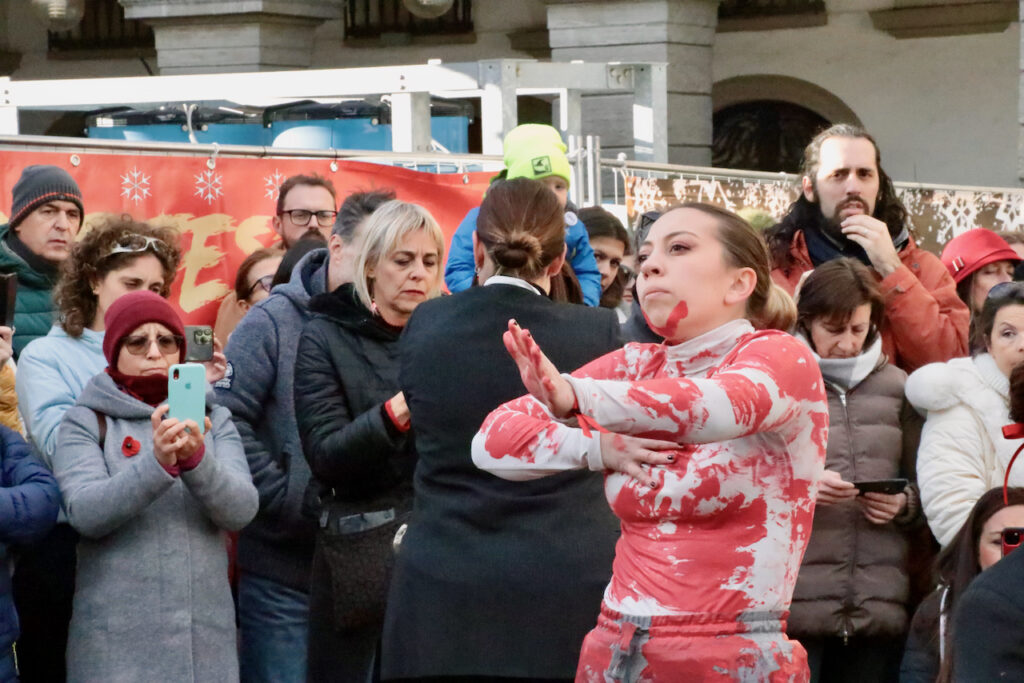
<point x="346" y="369"/>
<point x="854" y="579"/>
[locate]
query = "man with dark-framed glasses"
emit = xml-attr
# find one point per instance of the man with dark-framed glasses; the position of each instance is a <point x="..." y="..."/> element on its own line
<point x="305" y="204"/>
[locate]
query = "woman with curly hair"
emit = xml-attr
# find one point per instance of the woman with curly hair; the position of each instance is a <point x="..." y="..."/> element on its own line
<point x="111" y="260"/>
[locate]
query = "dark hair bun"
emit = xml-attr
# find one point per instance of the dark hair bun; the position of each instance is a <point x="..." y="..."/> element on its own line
<point x="519" y="251"/>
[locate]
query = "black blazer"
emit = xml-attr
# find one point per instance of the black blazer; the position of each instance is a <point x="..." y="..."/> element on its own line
<point x="494" y="577"/>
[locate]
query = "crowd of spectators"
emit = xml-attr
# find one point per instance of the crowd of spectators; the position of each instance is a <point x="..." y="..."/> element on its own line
<point x="804" y="436"/>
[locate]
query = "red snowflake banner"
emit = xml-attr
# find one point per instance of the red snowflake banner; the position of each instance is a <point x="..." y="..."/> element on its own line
<point x="224" y="213"/>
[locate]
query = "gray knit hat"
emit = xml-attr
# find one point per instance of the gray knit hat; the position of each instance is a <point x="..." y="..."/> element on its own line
<point x="40" y="184"/>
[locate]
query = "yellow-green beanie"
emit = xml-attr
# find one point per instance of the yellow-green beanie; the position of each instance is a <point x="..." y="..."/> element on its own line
<point x="534" y="150"/>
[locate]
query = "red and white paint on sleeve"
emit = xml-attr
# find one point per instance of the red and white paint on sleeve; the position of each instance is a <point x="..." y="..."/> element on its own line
<point x="725" y="530"/>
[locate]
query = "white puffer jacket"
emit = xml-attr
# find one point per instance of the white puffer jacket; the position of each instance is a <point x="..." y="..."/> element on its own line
<point x="963" y="452"/>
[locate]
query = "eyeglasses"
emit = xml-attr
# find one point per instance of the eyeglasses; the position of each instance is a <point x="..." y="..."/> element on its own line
<point x="324" y="219"/>
<point x="167" y="343"/>
<point x="1006" y="289"/>
<point x="264" y="282"/>
<point x="627" y="272"/>
<point x="134" y="244"/>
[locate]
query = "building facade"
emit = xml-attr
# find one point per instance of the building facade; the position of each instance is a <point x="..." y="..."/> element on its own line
<point x="936" y="82"/>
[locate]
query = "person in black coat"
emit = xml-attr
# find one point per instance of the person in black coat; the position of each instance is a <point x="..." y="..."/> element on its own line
<point x="496" y="578"/>
<point x="354" y="425"/>
<point x="988" y="633"/>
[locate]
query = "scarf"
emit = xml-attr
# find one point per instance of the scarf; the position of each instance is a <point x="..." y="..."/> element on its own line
<point x="48" y="269"/>
<point x="151" y="389"/>
<point x="847" y="373"/>
<point x="823" y="246"/>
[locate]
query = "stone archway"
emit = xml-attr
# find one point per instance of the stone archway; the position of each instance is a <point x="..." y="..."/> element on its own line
<point x="763" y="123"/>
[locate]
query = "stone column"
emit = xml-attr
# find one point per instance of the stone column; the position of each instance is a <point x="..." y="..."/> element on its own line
<point x="1020" y="106"/>
<point x="679" y="32"/>
<point x="208" y="36"/>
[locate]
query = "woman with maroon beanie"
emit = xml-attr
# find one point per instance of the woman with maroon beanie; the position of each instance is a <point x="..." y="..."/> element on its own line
<point x="151" y="497"/>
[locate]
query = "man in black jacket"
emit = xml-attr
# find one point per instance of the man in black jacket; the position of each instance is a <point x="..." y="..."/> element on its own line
<point x="275" y="551"/>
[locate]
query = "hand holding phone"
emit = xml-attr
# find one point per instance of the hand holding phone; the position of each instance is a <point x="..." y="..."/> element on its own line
<point x="175" y="441"/>
<point x="833" y="489"/>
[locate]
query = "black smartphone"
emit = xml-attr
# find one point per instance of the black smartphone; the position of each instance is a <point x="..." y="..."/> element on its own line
<point x="887" y="486"/>
<point x="8" y="297"/>
<point x="1011" y="537"/>
<point x="198" y="343"/>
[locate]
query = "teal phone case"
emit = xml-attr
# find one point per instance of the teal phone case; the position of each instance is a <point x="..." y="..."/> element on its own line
<point x="186" y="392"/>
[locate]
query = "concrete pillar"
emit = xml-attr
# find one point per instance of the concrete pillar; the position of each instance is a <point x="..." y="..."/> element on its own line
<point x="1020" y="106"/>
<point x="679" y="32"/>
<point x="209" y="36"/>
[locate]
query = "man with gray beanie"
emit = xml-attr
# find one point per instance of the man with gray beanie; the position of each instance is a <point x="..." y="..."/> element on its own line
<point x="46" y="214"/>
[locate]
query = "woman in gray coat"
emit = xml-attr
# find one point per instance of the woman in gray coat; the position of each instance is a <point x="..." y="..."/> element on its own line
<point x="151" y="502"/>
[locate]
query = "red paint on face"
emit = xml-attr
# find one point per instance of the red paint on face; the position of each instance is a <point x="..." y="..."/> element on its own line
<point x="668" y="330"/>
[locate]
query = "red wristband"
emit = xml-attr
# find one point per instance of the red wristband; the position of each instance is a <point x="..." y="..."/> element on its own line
<point x="400" y="426"/>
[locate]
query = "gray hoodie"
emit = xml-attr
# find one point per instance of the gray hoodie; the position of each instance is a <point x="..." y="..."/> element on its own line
<point x="257" y="389"/>
<point x="151" y="592"/>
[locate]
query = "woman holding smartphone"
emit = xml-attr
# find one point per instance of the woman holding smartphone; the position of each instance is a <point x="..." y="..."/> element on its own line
<point x="714" y="529"/>
<point x="109" y="261"/>
<point x="850" y="603"/>
<point x="151" y="497"/>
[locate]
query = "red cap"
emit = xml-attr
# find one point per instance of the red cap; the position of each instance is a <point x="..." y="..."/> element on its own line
<point x="974" y="249"/>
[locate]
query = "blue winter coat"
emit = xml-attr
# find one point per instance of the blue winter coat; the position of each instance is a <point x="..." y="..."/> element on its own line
<point x="29" y="501"/>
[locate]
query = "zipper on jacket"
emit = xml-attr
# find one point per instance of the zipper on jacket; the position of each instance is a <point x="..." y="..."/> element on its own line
<point x="847" y="631"/>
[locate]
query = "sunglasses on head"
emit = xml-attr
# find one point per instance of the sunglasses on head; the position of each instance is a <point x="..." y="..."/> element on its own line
<point x="135" y="244"/>
<point x="167" y="343"/>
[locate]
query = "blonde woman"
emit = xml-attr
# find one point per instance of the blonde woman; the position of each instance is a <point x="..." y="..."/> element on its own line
<point x="354" y="426"/>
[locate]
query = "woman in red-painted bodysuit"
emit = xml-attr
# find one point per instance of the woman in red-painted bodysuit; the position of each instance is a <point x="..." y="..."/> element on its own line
<point x="713" y="530"/>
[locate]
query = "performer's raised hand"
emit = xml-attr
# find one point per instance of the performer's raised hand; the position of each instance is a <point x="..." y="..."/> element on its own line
<point x="539" y="375"/>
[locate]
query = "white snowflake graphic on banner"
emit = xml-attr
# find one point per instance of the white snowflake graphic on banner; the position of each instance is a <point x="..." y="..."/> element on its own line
<point x="271" y="183"/>
<point x="135" y="185"/>
<point x="208" y="186"/>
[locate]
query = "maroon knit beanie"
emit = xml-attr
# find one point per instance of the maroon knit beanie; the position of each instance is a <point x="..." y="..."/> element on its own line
<point x="130" y="311"/>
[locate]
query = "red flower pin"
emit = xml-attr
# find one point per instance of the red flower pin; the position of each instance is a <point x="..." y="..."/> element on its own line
<point x="130" y="446"/>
